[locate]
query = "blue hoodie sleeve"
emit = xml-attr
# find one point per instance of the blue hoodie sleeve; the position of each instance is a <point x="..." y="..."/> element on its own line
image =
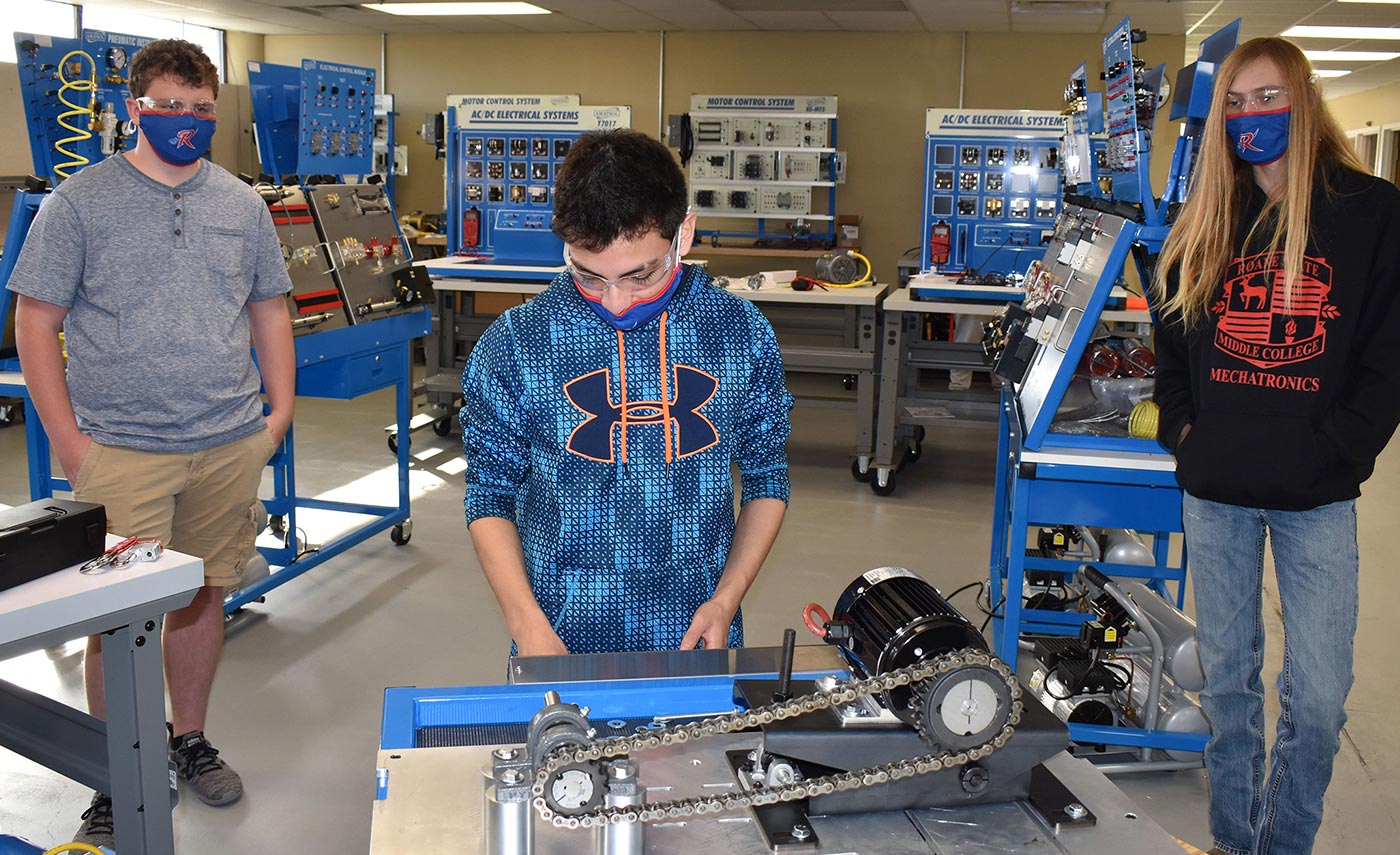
<point x="493" y="425"/>
<point x="764" y="425"/>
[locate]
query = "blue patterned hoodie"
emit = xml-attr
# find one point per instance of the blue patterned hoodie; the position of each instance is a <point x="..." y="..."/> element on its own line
<point x="612" y="453"/>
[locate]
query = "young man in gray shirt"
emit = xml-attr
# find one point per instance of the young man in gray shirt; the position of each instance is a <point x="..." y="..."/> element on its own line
<point x="160" y="268"/>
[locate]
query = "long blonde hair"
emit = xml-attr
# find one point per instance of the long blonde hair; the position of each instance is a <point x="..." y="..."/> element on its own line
<point x="1202" y="240"/>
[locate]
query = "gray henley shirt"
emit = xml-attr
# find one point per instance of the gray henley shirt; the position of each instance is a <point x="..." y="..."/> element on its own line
<point x="156" y="281"/>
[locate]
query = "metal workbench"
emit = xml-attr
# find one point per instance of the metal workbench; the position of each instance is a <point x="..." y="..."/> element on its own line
<point x="126" y="754"/>
<point x="831" y="332"/>
<point x="430" y="799"/>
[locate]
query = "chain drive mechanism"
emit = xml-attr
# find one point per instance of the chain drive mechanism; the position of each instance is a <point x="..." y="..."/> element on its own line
<point x="574" y="756"/>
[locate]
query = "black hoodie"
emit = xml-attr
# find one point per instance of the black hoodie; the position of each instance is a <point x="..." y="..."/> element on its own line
<point x="1289" y="409"/>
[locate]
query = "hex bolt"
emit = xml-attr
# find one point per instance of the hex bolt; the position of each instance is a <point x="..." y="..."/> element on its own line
<point x="511" y="777"/>
<point x="1076" y="811"/>
<point x="801" y="831"/>
<point x="504" y="753"/>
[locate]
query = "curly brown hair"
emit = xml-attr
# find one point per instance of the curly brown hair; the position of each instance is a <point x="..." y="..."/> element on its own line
<point x="175" y="58"/>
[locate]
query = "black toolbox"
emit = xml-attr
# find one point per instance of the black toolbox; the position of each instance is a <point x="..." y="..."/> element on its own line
<point x="48" y="535"/>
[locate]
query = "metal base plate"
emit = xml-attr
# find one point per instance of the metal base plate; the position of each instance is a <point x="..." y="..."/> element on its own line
<point x="431" y="801"/>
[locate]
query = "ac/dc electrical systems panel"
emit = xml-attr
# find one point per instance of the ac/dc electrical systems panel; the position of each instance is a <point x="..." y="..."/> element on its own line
<point x="503" y="152"/>
<point x="991" y="188"/>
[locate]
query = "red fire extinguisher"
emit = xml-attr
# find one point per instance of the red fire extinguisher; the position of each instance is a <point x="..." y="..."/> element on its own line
<point x="471" y="228"/>
<point x="940" y="242"/>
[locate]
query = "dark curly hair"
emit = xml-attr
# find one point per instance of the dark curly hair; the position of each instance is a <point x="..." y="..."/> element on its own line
<point x="617" y="184"/>
<point x="183" y="61"/>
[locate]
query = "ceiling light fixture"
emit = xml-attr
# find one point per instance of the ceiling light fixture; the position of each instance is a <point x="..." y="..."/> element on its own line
<point x="1306" y="32"/>
<point x="454" y="9"/>
<point x="1350" y="55"/>
<point x="1059" y="7"/>
<point x="1331" y="72"/>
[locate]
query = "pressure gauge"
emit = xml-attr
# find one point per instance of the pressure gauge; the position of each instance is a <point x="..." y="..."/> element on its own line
<point x="116" y="58"/>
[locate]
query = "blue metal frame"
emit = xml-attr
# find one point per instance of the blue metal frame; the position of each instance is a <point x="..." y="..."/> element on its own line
<point x="407" y="709"/>
<point x="341" y="364"/>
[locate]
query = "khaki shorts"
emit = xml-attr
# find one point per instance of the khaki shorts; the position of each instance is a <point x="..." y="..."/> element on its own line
<point x="202" y="503"/>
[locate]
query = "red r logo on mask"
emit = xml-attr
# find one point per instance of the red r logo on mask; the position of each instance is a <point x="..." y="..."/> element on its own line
<point x="1247" y="142"/>
<point x="182" y="139"/>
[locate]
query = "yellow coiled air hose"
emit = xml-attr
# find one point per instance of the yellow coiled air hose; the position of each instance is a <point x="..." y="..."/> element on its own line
<point x="1142" y="421"/>
<point x="80" y="134"/>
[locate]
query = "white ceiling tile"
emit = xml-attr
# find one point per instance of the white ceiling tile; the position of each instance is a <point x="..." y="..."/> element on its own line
<point x="691" y="14"/>
<point x="789" y="21"/>
<point x="877" y="22"/>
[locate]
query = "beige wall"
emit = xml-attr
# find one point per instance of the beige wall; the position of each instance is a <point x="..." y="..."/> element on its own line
<point x="1372" y="108"/>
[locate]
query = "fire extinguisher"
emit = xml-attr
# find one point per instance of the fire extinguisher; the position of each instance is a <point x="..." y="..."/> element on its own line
<point x="940" y="242"/>
<point x="471" y="228"/>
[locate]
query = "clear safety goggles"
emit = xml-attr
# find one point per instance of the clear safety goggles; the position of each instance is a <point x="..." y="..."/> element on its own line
<point x="631" y="284"/>
<point x="1263" y="98"/>
<point x="201" y="109"/>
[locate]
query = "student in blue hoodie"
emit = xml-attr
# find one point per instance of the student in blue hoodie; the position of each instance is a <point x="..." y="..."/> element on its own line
<point x="604" y="419"/>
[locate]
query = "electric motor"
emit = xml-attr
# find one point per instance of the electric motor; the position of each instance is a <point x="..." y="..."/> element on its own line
<point x="837" y="268"/>
<point x="888" y="619"/>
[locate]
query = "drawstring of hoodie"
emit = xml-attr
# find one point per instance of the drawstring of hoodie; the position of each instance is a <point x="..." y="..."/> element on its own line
<point x="665" y="394"/>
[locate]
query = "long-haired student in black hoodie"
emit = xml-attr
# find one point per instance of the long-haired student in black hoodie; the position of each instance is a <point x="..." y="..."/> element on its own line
<point x="1279" y="384"/>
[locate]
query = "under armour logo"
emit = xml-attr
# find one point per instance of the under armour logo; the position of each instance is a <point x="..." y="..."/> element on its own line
<point x="183" y="139"/>
<point x="1247" y="142"/>
<point x="690" y="434"/>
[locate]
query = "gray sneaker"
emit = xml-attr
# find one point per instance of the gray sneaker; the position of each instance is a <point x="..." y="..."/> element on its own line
<point x="198" y="764"/>
<point x="96" y="829"/>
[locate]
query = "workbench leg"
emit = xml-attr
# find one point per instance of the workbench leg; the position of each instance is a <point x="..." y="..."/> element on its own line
<point x="867" y="333"/>
<point x="403" y="414"/>
<point x="136" y="739"/>
<point x="1010" y="632"/>
<point x="1000" y="512"/>
<point x="887" y="410"/>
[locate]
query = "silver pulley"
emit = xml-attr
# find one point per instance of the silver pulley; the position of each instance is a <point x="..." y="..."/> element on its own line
<point x="837" y="268"/>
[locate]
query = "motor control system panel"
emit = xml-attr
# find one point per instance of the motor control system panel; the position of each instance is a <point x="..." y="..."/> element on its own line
<point x="75" y="93"/>
<point x="991" y="188"/>
<point x="503" y="154"/>
<point x="316" y="119"/>
<point x="760" y="157"/>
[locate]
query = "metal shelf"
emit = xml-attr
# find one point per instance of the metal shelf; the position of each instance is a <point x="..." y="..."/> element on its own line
<point x="778" y="216"/>
<point x="777" y="148"/>
<point x="701" y="183"/>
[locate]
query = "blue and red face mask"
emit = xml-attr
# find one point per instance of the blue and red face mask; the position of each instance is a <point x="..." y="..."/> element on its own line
<point x="177" y="138"/>
<point x="639" y="313"/>
<point x="1260" y="138"/>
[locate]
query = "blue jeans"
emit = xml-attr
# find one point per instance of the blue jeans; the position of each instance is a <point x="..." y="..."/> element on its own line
<point x="1315" y="561"/>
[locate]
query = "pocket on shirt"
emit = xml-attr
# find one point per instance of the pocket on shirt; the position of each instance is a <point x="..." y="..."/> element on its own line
<point x="223" y="251"/>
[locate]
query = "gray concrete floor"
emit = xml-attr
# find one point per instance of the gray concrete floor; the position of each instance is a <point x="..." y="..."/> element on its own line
<point x="297" y="704"/>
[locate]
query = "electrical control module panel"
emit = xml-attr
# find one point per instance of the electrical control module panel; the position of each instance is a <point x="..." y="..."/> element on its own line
<point x="337" y="119"/>
<point x="762" y="156"/>
<point x="503" y="153"/>
<point x="316" y="119"/>
<point x="75" y="93"/>
<point x="991" y="188"/>
<point x="1131" y="96"/>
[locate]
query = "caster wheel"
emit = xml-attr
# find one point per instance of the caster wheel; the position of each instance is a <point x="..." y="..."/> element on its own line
<point x="861" y="475"/>
<point x="914" y="452"/>
<point x="7" y="416"/>
<point x="919" y="434"/>
<point x="393" y="443"/>
<point x="883" y="483"/>
<point x="277" y="525"/>
<point x="849" y="382"/>
<point x="443" y="426"/>
<point x="401" y="533"/>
